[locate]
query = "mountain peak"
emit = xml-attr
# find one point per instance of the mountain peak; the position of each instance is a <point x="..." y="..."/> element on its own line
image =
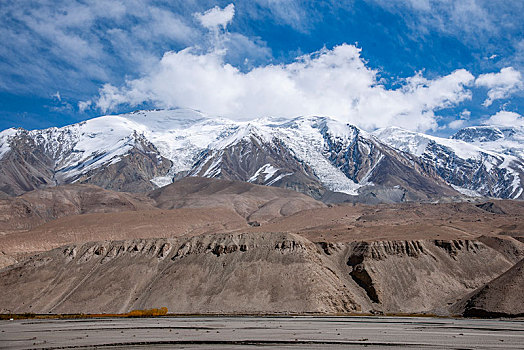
<point x="478" y="134"/>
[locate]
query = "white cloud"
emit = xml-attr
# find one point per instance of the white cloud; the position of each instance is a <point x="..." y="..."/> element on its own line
<point x="456" y="124"/>
<point x="465" y="114"/>
<point x="501" y="85"/>
<point x="291" y="13"/>
<point x="216" y="17"/>
<point x="83" y="105"/>
<point x="505" y="118"/>
<point x="483" y="27"/>
<point x="333" y="82"/>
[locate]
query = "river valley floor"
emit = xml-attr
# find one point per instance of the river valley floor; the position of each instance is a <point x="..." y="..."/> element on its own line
<point x="262" y="332"/>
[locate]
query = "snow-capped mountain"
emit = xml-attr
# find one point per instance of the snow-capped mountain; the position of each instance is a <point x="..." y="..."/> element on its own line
<point x="474" y="161"/>
<point x="324" y="158"/>
<point x="501" y="139"/>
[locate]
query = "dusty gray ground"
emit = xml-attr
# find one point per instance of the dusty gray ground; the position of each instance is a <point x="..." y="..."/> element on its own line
<point x="268" y="333"/>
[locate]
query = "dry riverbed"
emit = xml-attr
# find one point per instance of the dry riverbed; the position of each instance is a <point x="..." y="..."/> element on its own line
<point x="262" y="332"/>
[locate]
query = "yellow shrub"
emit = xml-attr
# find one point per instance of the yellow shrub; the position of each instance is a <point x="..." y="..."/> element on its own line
<point x="147" y="313"/>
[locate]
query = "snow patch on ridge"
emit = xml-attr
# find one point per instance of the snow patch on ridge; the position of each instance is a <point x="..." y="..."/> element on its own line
<point x="417" y="143"/>
<point x="281" y="176"/>
<point x="466" y="192"/>
<point x="161" y="181"/>
<point x="267" y="169"/>
<point x="5" y="137"/>
<point x="506" y="140"/>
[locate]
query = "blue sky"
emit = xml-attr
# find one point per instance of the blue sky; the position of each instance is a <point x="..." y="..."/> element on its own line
<point x="432" y="66"/>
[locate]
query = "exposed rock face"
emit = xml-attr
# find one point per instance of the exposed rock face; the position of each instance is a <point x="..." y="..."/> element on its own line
<point x="27" y="166"/>
<point x="501" y="139"/>
<point x="132" y="172"/>
<point x="260" y="162"/>
<point x="421" y="276"/>
<point x="249" y="273"/>
<point x="364" y="159"/>
<point x="485" y="174"/>
<point x="140" y="151"/>
<point x="479" y="134"/>
<point x="510" y="247"/>
<point x="40" y="159"/>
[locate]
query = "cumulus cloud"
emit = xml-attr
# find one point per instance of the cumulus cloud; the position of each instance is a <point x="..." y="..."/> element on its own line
<point x="216" y="17"/>
<point x="505" y="118"/>
<point x="501" y="85"/>
<point x="333" y="82"/>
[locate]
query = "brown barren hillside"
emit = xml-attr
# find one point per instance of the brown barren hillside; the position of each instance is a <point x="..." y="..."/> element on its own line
<point x="215" y="246"/>
<point x="250" y="273"/>
<point x="502" y="297"/>
<point x="254" y="202"/>
<point x="46" y="219"/>
<point x="37" y="207"/>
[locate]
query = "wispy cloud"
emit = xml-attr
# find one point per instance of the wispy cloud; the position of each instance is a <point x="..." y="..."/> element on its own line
<point x="491" y="27"/>
<point x="468" y="18"/>
<point x="74" y="46"/>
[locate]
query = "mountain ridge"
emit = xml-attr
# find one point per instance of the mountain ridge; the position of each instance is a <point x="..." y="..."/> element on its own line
<point x="324" y="158"/>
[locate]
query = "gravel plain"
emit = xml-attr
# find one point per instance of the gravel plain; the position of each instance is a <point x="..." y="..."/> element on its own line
<point x="262" y="332"/>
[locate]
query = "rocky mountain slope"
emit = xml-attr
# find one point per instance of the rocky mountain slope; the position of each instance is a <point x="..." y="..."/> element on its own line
<point x="250" y="201"/>
<point x="257" y="204"/>
<point x="215" y="241"/>
<point x="472" y="166"/>
<point x="326" y="159"/>
<point x="46" y="219"/>
<point x="500" y="139"/>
